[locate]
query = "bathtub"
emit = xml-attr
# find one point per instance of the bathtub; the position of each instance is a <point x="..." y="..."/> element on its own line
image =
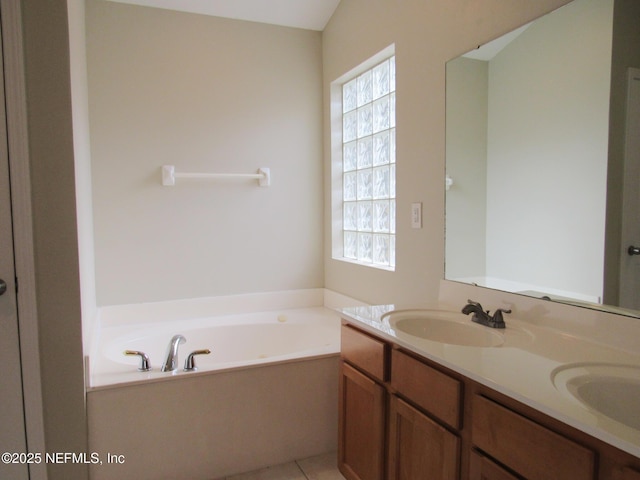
<point x="235" y="341"/>
<point x="266" y="394"/>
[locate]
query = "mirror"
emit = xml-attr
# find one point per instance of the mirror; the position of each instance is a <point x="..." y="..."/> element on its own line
<point x="534" y="160"/>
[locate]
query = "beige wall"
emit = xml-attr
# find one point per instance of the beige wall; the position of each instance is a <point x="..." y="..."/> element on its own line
<point x="626" y="38"/>
<point x="466" y="148"/>
<point x="82" y="154"/>
<point x="207" y="95"/>
<point x="57" y="284"/>
<point x="547" y="152"/>
<point x="426" y="35"/>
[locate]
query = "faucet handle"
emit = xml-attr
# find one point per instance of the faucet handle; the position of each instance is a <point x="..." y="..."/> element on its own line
<point x="476" y="304"/>
<point x="497" y="319"/>
<point x="190" y="362"/>
<point x="145" y="366"/>
<point x="474" y="307"/>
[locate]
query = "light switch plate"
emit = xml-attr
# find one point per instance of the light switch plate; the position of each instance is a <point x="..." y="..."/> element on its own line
<point x="416" y="215"/>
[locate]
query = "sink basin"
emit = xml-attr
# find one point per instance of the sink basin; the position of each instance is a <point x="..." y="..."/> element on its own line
<point x="443" y="326"/>
<point x="609" y="389"/>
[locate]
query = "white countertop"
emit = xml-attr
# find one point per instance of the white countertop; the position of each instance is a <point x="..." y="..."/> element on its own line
<point x="522" y="367"/>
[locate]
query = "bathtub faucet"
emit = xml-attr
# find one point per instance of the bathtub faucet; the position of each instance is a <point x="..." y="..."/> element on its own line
<point x="171" y="362"/>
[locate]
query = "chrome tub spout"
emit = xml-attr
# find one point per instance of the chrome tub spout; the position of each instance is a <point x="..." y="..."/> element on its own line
<point x="171" y="362"/>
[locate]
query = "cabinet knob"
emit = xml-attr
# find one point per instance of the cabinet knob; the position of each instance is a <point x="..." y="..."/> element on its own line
<point x="633" y="250"/>
<point x="3" y="286"/>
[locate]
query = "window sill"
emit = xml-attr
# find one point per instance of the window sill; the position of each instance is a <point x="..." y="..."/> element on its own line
<point x="387" y="268"/>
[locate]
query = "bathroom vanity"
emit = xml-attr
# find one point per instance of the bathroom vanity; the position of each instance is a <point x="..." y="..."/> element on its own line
<point x="490" y="407"/>
<point x="428" y="394"/>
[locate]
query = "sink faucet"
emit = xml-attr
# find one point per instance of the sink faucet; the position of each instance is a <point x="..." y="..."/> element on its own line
<point x="171" y="362"/>
<point x="484" y="318"/>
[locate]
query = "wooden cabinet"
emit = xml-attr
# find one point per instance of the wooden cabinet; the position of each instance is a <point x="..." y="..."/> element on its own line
<point x="404" y="417"/>
<point x="626" y="474"/>
<point x="526" y="447"/>
<point x="365" y="352"/>
<point x="482" y="468"/>
<point x="420" y="448"/>
<point x="435" y="392"/>
<point x="362" y="410"/>
<point x="361" y="426"/>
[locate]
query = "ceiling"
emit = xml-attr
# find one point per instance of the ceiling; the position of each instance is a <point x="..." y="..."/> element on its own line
<point x="307" y="14"/>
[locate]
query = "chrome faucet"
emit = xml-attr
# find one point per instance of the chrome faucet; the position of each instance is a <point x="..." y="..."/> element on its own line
<point x="171" y="362"/>
<point x="485" y="318"/>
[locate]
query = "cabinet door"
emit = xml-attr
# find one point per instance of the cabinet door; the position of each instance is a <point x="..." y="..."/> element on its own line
<point x="481" y="468"/>
<point x="361" y="426"/>
<point x="419" y="448"/>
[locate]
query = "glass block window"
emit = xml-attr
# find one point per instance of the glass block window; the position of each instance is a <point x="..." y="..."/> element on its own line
<point x="369" y="166"/>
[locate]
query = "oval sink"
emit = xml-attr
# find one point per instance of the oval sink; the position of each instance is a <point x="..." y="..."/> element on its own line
<point x="443" y="326"/>
<point x="609" y="389"/>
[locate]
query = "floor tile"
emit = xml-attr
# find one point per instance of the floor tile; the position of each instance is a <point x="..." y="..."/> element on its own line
<point x="322" y="467"/>
<point x="287" y="471"/>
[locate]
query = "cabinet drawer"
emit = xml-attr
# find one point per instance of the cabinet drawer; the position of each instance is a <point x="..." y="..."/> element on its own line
<point x="527" y="447"/>
<point x="430" y="389"/>
<point x="363" y="351"/>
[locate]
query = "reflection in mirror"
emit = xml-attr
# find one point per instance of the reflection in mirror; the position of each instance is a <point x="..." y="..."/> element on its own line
<point x="527" y="150"/>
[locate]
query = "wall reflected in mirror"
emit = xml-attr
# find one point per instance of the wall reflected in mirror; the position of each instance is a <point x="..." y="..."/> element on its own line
<point x="528" y="150"/>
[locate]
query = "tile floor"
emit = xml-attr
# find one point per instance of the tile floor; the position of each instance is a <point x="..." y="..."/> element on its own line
<point x="322" y="467"/>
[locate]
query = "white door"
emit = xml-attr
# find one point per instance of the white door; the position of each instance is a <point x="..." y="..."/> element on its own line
<point x="12" y="425"/>
<point x="630" y="262"/>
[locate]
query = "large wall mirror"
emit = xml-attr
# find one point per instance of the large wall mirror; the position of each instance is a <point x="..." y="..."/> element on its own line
<point x="544" y="198"/>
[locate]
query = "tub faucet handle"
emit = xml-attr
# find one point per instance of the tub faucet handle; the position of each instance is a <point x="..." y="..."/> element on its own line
<point x="190" y="362"/>
<point x="145" y="366"/>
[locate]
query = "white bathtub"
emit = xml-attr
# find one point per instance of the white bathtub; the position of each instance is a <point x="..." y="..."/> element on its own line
<point x="266" y="394"/>
<point x="235" y="341"/>
<point x="241" y="331"/>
